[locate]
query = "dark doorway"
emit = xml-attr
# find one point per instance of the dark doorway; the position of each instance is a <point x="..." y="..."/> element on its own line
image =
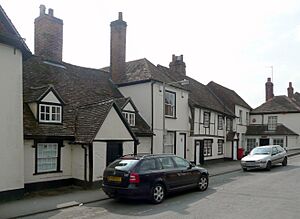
<point x="114" y="150"/>
<point x="199" y="151"/>
<point x="264" y="141"/>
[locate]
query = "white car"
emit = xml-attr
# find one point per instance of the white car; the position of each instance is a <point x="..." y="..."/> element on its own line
<point x="263" y="157"/>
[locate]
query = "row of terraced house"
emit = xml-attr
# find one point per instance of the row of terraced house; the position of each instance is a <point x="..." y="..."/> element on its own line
<point x="62" y="124"/>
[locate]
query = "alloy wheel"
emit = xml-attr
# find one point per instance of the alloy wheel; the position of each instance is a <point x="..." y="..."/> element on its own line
<point x="158" y="193"/>
<point x="203" y="183"/>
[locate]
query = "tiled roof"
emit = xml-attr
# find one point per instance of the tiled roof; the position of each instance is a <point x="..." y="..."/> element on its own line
<point x="200" y="95"/>
<point x="278" y="104"/>
<point x="79" y="88"/>
<point x="263" y="130"/>
<point x="143" y="70"/>
<point x="9" y="34"/>
<point x="228" y="97"/>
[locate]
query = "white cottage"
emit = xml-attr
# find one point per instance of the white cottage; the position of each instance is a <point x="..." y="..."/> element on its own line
<point x="13" y="51"/>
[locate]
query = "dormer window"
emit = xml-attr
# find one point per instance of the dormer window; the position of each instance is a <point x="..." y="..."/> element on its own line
<point x="130" y="117"/>
<point x="50" y="113"/>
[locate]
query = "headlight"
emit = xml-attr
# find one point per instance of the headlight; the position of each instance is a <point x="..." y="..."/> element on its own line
<point x="261" y="161"/>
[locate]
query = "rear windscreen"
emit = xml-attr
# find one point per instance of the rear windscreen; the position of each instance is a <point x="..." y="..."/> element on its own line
<point x="123" y="165"/>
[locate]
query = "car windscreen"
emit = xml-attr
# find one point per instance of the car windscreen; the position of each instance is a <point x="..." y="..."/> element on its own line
<point x="123" y="165"/>
<point x="260" y="151"/>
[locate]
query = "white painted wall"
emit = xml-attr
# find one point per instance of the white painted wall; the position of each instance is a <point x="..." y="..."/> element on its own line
<point x="78" y="162"/>
<point x="99" y="160"/>
<point x="113" y="128"/>
<point x="141" y="96"/>
<point x="129" y="107"/>
<point x="11" y="117"/>
<point x="29" y="164"/>
<point x="33" y="107"/>
<point x="145" y="145"/>
<point x="51" y="98"/>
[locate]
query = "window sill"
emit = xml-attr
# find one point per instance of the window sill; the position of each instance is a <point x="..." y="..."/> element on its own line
<point x="49" y="172"/>
<point x="170" y="117"/>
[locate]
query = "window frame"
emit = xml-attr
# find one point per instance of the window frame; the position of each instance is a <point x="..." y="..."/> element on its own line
<point x="58" y="158"/>
<point x="240" y="117"/>
<point x="276" y="140"/>
<point x="229" y="124"/>
<point x="220" y="146"/>
<point x="272" y="123"/>
<point x="206" y="119"/>
<point x="252" y="145"/>
<point x="173" y="145"/>
<point x="220" y="122"/>
<point x="207" y="148"/>
<point x="127" y="115"/>
<point x="51" y="106"/>
<point x="173" y="107"/>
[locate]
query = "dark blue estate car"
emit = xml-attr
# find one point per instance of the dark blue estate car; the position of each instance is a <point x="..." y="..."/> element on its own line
<point x="152" y="176"/>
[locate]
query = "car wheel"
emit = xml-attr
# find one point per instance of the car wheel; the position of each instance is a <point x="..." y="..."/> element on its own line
<point x="269" y="165"/>
<point x="284" y="162"/>
<point x="203" y="183"/>
<point x="158" y="193"/>
<point x="244" y="169"/>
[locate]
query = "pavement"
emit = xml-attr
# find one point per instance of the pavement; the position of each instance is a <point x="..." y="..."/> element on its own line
<point x="55" y="199"/>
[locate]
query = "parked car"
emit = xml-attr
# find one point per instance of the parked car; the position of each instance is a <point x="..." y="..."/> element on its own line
<point x="263" y="157"/>
<point x="152" y="177"/>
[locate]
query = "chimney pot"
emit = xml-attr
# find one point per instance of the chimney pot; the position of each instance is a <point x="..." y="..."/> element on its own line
<point x="290" y="90"/>
<point x="42" y="9"/>
<point x="177" y="64"/>
<point x="50" y="12"/>
<point x="120" y="16"/>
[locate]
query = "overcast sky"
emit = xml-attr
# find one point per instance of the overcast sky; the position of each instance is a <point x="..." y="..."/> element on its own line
<point x="230" y="42"/>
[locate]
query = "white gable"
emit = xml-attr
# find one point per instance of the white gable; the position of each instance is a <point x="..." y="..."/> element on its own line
<point x="51" y="98"/>
<point x="129" y="107"/>
<point x="113" y="128"/>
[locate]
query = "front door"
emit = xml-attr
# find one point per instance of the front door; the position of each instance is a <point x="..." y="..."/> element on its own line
<point x="264" y="141"/>
<point x="114" y="150"/>
<point x="181" y="145"/>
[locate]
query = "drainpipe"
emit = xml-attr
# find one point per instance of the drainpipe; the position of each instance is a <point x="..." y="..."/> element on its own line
<point x="85" y="162"/>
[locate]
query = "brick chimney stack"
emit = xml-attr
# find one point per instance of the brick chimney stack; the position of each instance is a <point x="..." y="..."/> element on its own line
<point x="118" y="48"/>
<point x="177" y="65"/>
<point x="290" y="90"/>
<point x="269" y="90"/>
<point x="48" y="35"/>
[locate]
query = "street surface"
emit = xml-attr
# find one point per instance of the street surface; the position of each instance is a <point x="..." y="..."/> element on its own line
<point x="254" y="194"/>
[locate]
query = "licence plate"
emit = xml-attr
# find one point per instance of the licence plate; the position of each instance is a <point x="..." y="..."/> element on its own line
<point x="114" y="178"/>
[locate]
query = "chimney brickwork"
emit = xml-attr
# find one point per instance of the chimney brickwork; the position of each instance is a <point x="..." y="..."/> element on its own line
<point x="48" y="34"/>
<point x="118" y="48"/>
<point x="269" y="89"/>
<point x="177" y="65"/>
<point x="290" y="90"/>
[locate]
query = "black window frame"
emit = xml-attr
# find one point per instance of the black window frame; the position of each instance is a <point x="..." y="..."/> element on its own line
<point x="174" y="110"/>
<point x="204" y="119"/>
<point x="58" y="167"/>
<point x="220" y="122"/>
<point x="207" y="148"/>
<point x="220" y="145"/>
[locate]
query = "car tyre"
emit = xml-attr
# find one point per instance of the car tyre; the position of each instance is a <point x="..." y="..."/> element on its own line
<point x="203" y="183"/>
<point x="158" y="193"/>
<point x="284" y="162"/>
<point x="269" y="165"/>
<point x="244" y="169"/>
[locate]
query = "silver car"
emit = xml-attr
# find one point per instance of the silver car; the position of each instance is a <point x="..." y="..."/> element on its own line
<point x="263" y="157"/>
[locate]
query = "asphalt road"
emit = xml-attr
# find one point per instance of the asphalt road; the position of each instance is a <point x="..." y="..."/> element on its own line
<point x="253" y="194"/>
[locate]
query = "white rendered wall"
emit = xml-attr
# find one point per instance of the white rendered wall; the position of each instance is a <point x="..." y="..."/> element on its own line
<point x="99" y="160"/>
<point x="29" y="165"/>
<point x="11" y="117"/>
<point x="145" y="145"/>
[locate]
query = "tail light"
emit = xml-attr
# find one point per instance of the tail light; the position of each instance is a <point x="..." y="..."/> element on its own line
<point x="134" y="178"/>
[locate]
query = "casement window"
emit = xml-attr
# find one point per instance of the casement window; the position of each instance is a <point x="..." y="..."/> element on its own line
<point x="272" y="123"/>
<point x="220" y="122"/>
<point x="220" y="146"/>
<point x="229" y="124"/>
<point x="130" y="117"/>
<point x="240" y="116"/>
<point x="169" y="144"/>
<point x="207" y="148"/>
<point x="251" y="143"/>
<point x="170" y="104"/>
<point x="278" y="141"/>
<point x="50" y="113"/>
<point x="47" y="157"/>
<point x="206" y="119"/>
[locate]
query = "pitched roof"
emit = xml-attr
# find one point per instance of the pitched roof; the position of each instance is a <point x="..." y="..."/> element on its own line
<point x="80" y="88"/>
<point x="9" y="34"/>
<point x="200" y="95"/>
<point x="278" y="104"/>
<point x="228" y="97"/>
<point x="143" y="70"/>
<point x="263" y="130"/>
